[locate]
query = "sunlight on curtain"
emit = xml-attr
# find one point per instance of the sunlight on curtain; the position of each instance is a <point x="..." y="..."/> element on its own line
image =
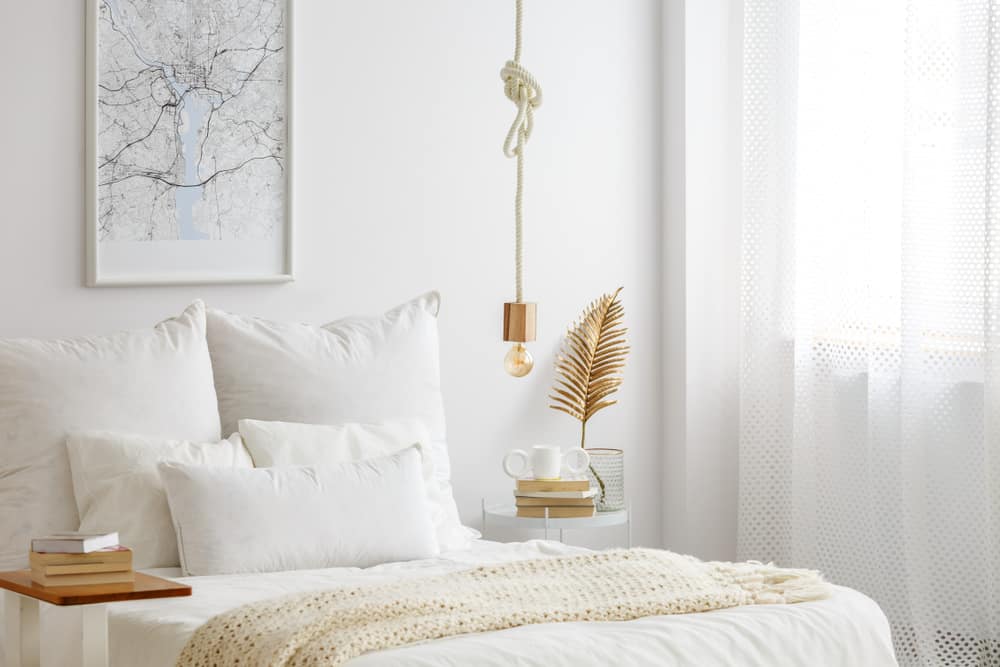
<point x="870" y="397"/>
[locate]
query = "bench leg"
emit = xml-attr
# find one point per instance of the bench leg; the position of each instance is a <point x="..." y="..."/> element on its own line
<point x="21" y="632"/>
<point x="95" y="635"/>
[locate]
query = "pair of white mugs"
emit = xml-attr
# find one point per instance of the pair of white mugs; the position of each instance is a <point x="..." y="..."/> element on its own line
<point x="545" y="462"/>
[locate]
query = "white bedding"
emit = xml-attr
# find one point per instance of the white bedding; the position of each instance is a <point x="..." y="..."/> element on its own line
<point x="847" y="629"/>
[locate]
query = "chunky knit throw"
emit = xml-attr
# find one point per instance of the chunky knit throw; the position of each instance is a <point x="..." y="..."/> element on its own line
<point x="331" y="627"/>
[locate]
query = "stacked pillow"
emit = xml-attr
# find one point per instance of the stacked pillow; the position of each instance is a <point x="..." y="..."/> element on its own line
<point x="118" y="487"/>
<point x="156" y="381"/>
<point x="337" y="406"/>
<point x="369" y="370"/>
<point x="360" y="369"/>
<point x="285" y="444"/>
<point x="358" y="513"/>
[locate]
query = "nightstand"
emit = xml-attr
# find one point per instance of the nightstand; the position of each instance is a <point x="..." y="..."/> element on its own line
<point x="506" y="515"/>
<point x="21" y="597"/>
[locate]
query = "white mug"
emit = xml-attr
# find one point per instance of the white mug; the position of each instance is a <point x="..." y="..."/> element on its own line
<point x="545" y="462"/>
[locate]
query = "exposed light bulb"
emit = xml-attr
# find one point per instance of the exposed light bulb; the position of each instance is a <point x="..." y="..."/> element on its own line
<point x="518" y="361"/>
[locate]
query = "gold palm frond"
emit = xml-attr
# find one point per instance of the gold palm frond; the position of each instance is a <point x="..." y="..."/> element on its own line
<point x="589" y="367"/>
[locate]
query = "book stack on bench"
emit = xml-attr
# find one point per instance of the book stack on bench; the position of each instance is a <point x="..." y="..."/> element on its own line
<point x="563" y="498"/>
<point x="76" y="559"/>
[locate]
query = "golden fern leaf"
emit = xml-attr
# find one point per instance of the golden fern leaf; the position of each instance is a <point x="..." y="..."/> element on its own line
<point x="589" y="367"/>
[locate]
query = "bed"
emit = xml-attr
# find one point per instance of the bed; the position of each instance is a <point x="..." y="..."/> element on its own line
<point x="357" y="403"/>
<point x="846" y="629"/>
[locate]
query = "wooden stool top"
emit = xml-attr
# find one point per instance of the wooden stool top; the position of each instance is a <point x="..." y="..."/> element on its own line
<point x="144" y="587"/>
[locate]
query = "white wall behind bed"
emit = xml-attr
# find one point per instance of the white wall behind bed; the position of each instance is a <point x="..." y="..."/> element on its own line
<point x="401" y="187"/>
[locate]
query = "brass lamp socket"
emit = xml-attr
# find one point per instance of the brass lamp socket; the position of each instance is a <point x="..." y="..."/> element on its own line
<point x="519" y="322"/>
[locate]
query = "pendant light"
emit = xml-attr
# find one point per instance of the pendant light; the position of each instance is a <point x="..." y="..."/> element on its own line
<point x="522" y="89"/>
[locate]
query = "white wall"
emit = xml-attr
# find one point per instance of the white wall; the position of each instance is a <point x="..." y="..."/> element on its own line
<point x="401" y="187"/>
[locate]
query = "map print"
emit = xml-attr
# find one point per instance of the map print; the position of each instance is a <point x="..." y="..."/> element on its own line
<point x="191" y="120"/>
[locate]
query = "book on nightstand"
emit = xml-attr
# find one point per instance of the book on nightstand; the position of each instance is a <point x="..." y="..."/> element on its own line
<point x="533" y="501"/>
<point x="74" y="542"/>
<point x="563" y="498"/>
<point x="555" y="495"/>
<point x="112" y="565"/>
<point x="552" y="485"/>
<point x="556" y="512"/>
<point x="125" y="577"/>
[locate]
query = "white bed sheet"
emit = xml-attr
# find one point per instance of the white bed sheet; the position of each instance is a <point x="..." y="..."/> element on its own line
<point x="847" y="629"/>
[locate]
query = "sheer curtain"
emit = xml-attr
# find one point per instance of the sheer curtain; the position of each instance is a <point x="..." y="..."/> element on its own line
<point x="870" y="395"/>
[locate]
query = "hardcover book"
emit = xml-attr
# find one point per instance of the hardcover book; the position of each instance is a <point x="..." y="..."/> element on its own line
<point x="112" y="559"/>
<point x="529" y="501"/>
<point x="581" y="484"/>
<point x="74" y="542"/>
<point x="42" y="579"/>
<point x="556" y="512"/>
<point x="589" y="493"/>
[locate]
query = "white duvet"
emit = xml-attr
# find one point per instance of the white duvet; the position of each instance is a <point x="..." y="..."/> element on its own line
<point x="847" y="629"/>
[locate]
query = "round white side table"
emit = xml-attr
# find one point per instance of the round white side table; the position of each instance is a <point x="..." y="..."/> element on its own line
<point x="506" y="515"/>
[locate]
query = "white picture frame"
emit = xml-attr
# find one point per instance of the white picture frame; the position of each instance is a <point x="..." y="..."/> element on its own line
<point x="187" y="261"/>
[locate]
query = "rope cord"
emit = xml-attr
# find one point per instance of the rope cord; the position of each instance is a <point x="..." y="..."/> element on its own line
<point x="521" y="88"/>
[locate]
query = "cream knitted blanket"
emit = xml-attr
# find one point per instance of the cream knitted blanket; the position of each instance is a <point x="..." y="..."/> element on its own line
<point x="331" y="627"/>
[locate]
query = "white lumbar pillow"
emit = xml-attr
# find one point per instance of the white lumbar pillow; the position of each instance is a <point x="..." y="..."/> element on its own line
<point x="360" y="369"/>
<point x="117" y="486"/>
<point x="157" y="380"/>
<point x="230" y="520"/>
<point x="289" y="444"/>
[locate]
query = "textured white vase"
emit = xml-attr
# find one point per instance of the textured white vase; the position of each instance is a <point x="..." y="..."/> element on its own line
<point x="609" y="464"/>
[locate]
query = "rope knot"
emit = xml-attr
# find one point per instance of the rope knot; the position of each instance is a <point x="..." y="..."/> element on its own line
<point x="521" y="88"/>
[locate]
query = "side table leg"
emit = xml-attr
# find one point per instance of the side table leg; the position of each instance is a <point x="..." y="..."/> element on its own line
<point x="95" y="635"/>
<point x="628" y="524"/>
<point x="21" y="635"/>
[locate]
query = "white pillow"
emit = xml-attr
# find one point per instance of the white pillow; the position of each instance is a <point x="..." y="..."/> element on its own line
<point x="360" y="369"/>
<point x="287" y="444"/>
<point x="118" y="487"/>
<point x="156" y="381"/>
<point x="368" y="370"/>
<point x="360" y="514"/>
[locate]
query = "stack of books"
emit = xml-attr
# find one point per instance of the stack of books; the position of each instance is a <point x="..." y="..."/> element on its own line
<point x="563" y="498"/>
<point x="77" y="559"/>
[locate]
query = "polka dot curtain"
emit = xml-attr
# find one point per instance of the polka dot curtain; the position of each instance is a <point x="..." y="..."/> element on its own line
<point x="870" y="397"/>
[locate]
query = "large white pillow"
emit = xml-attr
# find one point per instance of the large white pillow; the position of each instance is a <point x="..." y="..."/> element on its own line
<point x="230" y="520"/>
<point x="156" y="381"/>
<point x="287" y="444"/>
<point x="117" y="486"/>
<point x="360" y="369"/>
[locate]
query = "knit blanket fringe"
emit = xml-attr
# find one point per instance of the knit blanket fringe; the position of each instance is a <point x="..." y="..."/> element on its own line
<point x="331" y="627"/>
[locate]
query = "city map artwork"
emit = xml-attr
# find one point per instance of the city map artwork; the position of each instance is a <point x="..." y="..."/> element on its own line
<point x="189" y="155"/>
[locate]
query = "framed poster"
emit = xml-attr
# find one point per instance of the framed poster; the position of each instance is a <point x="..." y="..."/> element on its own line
<point x="188" y="142"/>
